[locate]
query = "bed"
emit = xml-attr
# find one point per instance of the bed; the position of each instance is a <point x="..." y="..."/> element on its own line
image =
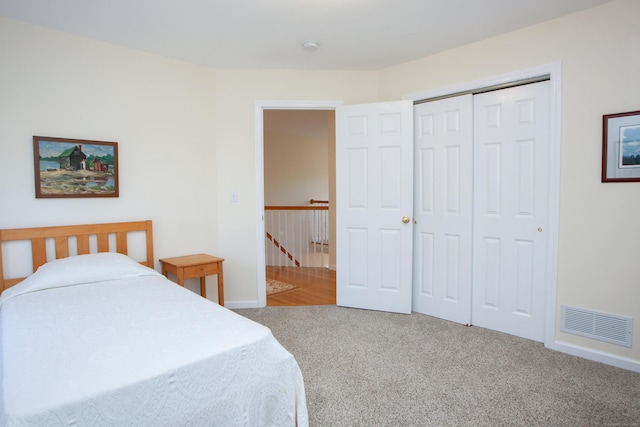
<point x="93" y="337"/>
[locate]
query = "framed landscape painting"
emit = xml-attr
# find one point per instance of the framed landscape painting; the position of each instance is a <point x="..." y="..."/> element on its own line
<point x="75" y="167"/>
<point x="621" y="147"/>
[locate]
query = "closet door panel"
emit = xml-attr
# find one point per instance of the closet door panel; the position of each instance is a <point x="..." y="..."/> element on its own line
<point x="443" y="208"/>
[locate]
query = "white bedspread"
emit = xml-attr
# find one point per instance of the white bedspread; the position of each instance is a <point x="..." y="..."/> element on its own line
<point x="140" y="351"/>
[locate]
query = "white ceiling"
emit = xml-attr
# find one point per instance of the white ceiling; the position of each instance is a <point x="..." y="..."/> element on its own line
<point x="353" y="34"/>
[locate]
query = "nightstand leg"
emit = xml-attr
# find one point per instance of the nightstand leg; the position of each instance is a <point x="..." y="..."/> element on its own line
<point x="180" y="276"/>
<point x="203" y="287"/>
<point x="220" y="287"/>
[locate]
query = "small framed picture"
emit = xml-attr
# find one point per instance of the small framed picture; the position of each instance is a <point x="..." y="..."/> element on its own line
<point x="75" y="167"/>
<point x="621" y="147"/>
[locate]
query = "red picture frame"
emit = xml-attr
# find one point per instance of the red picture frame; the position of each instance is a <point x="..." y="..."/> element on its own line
<point x="621" y="147"/>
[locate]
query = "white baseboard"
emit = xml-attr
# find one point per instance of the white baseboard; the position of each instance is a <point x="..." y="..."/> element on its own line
<point x="241" y="304"/>
<point x="597" y="356"/>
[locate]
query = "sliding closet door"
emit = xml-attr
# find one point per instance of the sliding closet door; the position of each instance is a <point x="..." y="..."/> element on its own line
<point x="443" y="208"/>
<point x="511" y="179"/>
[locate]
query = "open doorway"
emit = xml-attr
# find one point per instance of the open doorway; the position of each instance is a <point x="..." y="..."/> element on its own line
<point x="299" y="220"/>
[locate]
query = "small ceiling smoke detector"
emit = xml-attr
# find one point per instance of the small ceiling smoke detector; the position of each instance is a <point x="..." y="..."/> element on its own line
<point x="310" y="45"/>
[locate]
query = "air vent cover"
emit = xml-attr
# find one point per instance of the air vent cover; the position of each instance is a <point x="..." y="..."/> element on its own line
<point x="599" y="326"/>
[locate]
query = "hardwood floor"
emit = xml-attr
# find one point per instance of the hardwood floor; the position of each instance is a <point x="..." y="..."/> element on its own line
<point x="314" y="286"/>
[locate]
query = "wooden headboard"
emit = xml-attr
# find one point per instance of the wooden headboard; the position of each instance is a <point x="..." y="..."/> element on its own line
<point x="60" y="236"/>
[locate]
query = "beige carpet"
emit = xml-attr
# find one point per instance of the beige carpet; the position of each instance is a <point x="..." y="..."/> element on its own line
<point x="276" y="287"/>
<point x="367" y="368"/>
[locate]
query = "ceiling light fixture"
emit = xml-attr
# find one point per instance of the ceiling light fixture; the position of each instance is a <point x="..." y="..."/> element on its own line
<point x="310" y="45"/>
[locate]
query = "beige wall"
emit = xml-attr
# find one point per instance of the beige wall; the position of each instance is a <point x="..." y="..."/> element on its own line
<point x="187" y="139"/>
<point x="236" y="93"/>
<point x="185" y="134"/>
<point x="161" y="112"/>
<point x="296" y="157"/>
<point x="599" y="231"/>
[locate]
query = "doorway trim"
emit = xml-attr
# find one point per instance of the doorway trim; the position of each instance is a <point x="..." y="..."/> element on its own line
<point x="553" y="70"/>
<point x="259" y="108"/>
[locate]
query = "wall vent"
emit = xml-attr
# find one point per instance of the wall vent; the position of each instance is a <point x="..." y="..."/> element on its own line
<point x="599" y="326"/>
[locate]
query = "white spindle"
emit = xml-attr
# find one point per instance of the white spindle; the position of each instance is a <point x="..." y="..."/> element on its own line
<point x="302" y="233"/>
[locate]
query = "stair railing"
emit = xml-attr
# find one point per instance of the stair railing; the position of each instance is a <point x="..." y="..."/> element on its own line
<point x="297" y="236"/>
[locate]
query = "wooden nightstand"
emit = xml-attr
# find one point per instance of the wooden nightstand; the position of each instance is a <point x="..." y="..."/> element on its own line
<point x="192" y="266"/>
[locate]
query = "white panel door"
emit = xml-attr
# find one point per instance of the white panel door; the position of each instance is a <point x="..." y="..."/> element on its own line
<point x="443" y="208"/>
<point x="511" y="141"/>
<point x="374" y="192"/>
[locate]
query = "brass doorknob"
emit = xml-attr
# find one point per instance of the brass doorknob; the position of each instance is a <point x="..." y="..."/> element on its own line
<point x="406" y="219"/>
